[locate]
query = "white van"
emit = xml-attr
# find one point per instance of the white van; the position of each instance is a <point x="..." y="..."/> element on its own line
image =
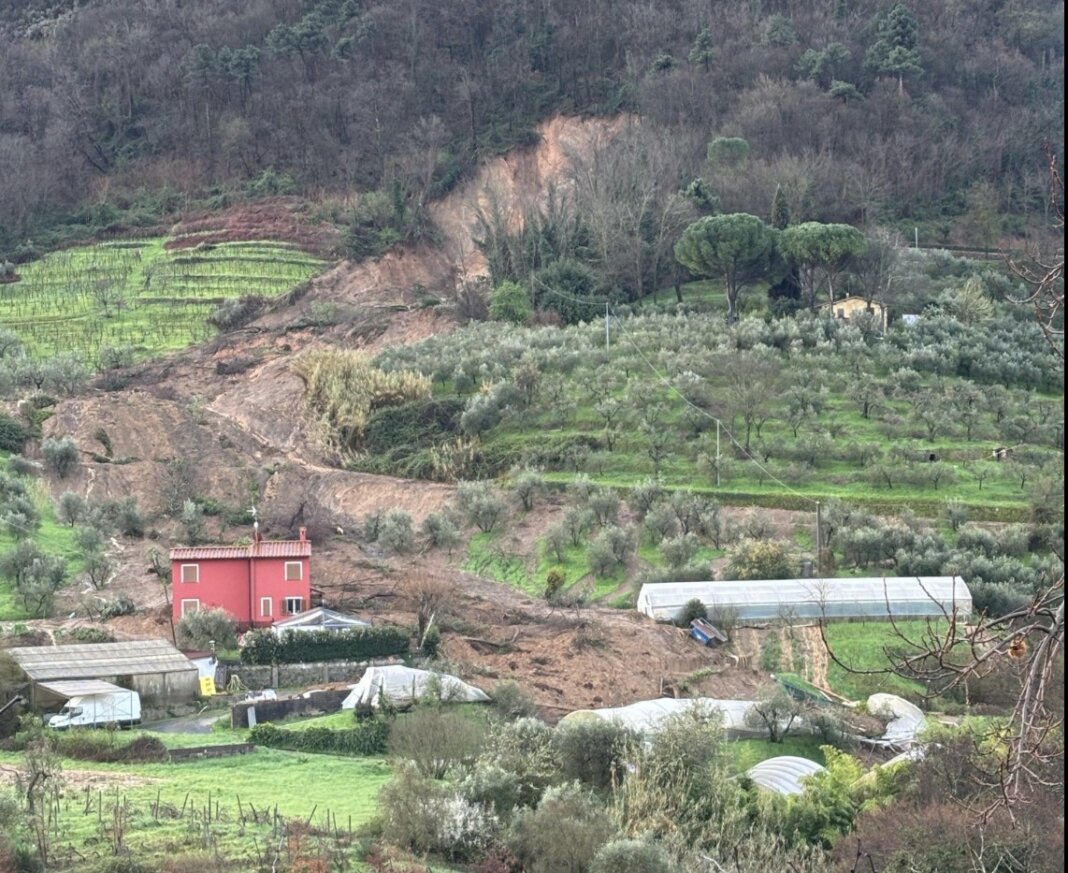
<point x="118" y="706"/>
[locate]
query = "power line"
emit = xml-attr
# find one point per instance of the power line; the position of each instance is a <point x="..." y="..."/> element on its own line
<point x="730" y="436"/>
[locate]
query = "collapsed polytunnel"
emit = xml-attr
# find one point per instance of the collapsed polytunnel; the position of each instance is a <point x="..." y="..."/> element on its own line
<point x="401" y="686"/>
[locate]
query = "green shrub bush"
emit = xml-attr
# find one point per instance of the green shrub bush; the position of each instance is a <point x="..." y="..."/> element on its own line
<point x="368" y="737"/>
<point x="265" y="647"/>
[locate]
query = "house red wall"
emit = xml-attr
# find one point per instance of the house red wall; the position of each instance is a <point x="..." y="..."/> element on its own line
<point x="227" y="583"/>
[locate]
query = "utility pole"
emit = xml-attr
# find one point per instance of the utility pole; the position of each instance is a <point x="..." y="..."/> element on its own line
<point x="606" y="334"/>
<point x="717" y="453"/>
<point x="819" y="539"/>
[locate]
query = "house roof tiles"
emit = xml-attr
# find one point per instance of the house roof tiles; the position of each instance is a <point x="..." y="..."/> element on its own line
<point x="262" y="549"/>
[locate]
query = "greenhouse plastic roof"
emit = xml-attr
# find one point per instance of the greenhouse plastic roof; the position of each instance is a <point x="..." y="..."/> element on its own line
<point x="906" y="722"/>
<point x="403" y="685"/>
<point x="770" y="599"/>
<point x="783" y="775"/>
<point x="647" y="715"/>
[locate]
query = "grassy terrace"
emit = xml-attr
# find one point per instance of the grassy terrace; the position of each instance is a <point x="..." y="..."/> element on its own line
<point x="139" y="293"/>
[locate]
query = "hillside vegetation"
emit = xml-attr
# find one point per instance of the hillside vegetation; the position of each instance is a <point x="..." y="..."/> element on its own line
<point x="118" y="112"/>
<point x="133" y="298"/>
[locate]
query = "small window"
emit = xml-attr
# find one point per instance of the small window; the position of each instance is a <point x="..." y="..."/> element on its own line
<point x="841" y="313"/>
<point x="294" y="571"/>
<point x="190" y="572"/>
<point x="190" y="606"/>
<point x="294" y="605"/>
<point x="265" y="607"/>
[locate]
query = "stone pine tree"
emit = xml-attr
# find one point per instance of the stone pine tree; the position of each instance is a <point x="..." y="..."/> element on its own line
<point x="738" y="247"/>
<point x="896" y="52"/>
<point x="780" y="210"/>
<point x="819" y="252"/>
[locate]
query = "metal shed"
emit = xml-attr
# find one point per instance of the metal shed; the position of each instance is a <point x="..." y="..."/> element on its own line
<point x="776" y="599"/>
<point x="153" y="668"/>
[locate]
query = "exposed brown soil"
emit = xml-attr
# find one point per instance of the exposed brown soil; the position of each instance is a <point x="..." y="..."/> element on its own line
<point x="235" y="411"/>
<point x="278" y="220"/>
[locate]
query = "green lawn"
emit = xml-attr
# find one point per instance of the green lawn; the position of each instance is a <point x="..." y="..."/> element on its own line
<point x="863" y="646"/>
<point x="141" y="294"/>
<point x="746" y="753"/>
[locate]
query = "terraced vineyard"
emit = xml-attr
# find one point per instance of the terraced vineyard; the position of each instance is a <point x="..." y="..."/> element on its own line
<point x="147" y="294"/>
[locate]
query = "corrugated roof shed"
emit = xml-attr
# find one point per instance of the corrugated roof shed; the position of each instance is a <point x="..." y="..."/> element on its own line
<point x="82" y="688"/>
<point x="94" y="660"/>
<point x="263" y="549"/>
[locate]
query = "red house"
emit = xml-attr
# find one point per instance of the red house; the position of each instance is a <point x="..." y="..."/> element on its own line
<point x="256" y="584"/>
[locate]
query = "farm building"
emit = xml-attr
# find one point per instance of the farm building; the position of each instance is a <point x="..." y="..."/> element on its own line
<point x="153" y="668"/>
<point x="319" y="619"/>
<point x="256" y="584"/>
<point x="764" y="600"/>
<point x="850" y="307"/>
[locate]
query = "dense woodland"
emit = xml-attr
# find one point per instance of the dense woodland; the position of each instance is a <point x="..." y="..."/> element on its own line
<point x="124" y="111"/>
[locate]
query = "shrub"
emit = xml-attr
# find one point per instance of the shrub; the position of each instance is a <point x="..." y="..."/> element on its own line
<point x="511" y="701"/>
<point x="368" y="737"/>
<point x="127" y="517"/>
<point x="593" y="751"/>
<point x="13" y="434"/>
<point x="60" y="455"/>
<point x="631" y="856"/>
<point x="510" y="302"/>
<point x="198" y="630"/>
<point x="481" y="505"/>
<point x="440" y="530"/>
<point x="760" y="559"/>
<point x="436" y="740"/>
<point x="692" y="609"/>
<point x="564" y="833"/>
<point x="265" y="647"/>
<point x="396" y="533"/>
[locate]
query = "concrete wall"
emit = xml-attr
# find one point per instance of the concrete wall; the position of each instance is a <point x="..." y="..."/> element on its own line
<point x="319" y="703"/>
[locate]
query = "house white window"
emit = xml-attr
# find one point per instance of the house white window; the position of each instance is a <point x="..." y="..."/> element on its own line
<point x="294" y="605"/>
<point x="190" y="606"/>
<point x="265" y="607"/>
<point x="294" y="571"/>
<point x="190" y="572"/>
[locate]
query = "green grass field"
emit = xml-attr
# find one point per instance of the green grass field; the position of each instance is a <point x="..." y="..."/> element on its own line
<point x="139" y="293"/>
<point x="162" y="808"/>
<point x="863" y="646"/>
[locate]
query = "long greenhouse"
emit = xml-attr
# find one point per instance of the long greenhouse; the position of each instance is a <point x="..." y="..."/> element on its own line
<point x="763" y="600"/>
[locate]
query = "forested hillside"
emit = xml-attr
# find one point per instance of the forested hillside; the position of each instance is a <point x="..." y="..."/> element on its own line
<point x="119" y="112"/>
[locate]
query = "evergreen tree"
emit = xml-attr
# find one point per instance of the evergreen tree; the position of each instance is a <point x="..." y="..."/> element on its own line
<point x="702" y="52"/>
<point x="896" y="52"/>
<point x="780" y="210"/>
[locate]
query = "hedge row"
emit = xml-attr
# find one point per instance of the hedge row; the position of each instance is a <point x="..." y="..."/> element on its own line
<point x="295" y="647"/>
<point x="366" y="738"/>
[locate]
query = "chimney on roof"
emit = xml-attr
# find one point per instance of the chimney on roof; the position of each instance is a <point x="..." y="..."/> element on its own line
<point x="256" y="532"/>
<point x="303" y="534"/>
